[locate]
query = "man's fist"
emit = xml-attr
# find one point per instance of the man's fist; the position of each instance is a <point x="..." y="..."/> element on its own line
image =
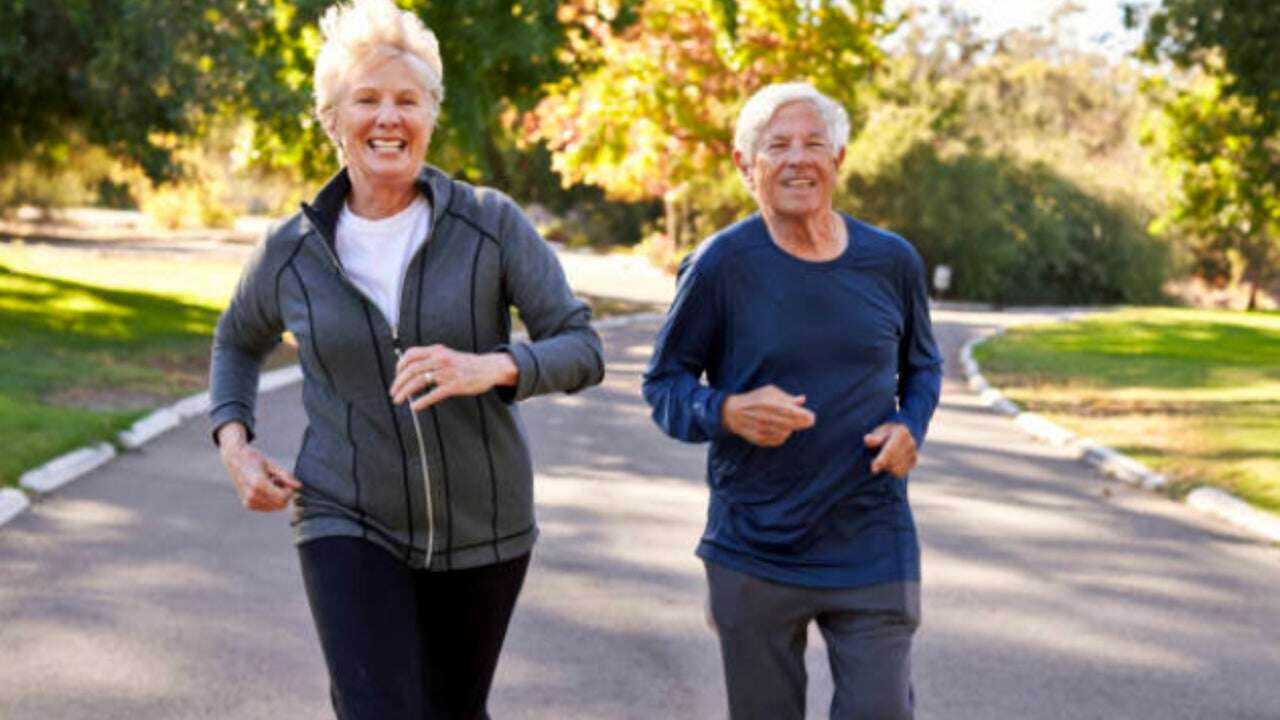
<point x="897" y="454"/>
<point x="765" y="416"/>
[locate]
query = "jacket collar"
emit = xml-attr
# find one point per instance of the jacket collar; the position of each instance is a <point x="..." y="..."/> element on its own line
<point x="323" y="211"/>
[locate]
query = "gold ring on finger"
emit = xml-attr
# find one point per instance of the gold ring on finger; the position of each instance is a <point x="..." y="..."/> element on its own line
<point x="429" y="378"/>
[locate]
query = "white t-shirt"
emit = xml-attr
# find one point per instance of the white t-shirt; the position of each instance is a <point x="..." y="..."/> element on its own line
<point x="375" y="253"/>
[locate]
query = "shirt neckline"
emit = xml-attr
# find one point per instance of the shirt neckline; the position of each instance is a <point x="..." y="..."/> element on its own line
<point x="834" y="262"/>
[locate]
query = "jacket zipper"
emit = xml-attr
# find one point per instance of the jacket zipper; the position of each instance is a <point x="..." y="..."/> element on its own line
<point x="395" y="343"/>
<point x="422" y="451"/>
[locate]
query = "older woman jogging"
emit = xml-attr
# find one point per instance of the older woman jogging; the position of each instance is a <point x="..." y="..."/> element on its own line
<point x="412" y="492"/>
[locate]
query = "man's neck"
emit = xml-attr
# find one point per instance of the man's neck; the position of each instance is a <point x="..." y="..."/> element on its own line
<point x="817" y="238"/>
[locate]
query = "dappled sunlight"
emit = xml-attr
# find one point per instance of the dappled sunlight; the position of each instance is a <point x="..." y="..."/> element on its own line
<point x="62" y="307"/>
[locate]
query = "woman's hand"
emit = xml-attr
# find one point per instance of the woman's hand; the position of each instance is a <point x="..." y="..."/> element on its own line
<point x="261" y="484"/>
<point x="446" y="373"/>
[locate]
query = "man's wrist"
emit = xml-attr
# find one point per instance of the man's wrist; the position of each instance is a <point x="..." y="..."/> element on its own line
<point x="726" y="412"/>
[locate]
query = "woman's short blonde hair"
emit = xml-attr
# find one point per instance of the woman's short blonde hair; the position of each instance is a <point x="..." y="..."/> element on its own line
<point x="360" y="30"/>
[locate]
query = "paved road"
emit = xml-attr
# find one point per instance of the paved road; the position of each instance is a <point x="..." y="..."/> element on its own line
<point x="144" y="592"/>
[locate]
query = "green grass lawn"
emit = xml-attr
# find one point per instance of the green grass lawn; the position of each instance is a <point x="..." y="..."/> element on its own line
<point x="1194" y="394"/>
<point x="91" y="340"/>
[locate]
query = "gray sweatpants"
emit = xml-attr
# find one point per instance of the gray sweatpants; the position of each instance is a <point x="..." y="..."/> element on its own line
<point x="763" y="627"/>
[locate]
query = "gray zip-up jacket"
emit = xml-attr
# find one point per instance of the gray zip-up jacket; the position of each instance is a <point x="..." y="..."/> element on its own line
<point x="449" y="487"/>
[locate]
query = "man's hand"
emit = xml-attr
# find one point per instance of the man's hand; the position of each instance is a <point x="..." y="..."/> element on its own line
<point x="765" y="416"/>
<point x="441" y="373"/>
<point x="897" y="453"/>
<point x="261" y="484"/>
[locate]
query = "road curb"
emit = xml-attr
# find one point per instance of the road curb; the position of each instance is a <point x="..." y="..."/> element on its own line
<point x="12" y="502"/>
<point x="70" y="466"/>
<point x="66" y="467"/>
<point x="1109" y="462"/>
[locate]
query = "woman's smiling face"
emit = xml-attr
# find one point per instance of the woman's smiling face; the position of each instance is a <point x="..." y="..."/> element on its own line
<point x="383" y="122"/>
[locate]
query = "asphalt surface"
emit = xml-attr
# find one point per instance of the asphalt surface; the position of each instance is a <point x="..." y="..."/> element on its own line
<point x="143" y="591"/>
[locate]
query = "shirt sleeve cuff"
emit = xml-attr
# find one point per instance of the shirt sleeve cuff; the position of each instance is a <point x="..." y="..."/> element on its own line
<point x="231" y="412"/>
<point x="706" y="407"/>
<point x="526" y="373"/>
<point x="917" y="433"/>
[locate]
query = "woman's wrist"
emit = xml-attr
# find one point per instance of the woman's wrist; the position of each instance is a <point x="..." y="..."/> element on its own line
<point x="505" y="371"/>
<point x="232" y="437"/>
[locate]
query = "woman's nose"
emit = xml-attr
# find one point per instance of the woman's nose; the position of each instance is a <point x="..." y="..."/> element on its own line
<point x="388" y="114"/>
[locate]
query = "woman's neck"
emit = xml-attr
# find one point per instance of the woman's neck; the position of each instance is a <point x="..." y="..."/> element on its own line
<point x="374" y="202"/>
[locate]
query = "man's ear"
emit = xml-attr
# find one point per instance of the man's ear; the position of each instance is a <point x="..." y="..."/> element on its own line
<point x="744" y="169"/>
<point x="839" y="158"/>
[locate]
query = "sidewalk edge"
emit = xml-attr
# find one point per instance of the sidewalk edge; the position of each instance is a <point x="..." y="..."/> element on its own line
<point x="1205" y="499"/>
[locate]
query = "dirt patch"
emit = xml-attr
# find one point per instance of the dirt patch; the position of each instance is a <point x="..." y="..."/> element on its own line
<point x="104" y="399"/>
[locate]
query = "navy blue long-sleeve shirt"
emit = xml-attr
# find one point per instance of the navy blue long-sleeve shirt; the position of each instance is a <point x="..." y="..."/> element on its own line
<point x="853" y="336"/>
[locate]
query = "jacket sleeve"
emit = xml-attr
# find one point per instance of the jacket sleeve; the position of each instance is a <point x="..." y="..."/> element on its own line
<point x="919" y="362"/>
<point x="248" y="330"/>
<point x="564" y="353"/>
<point x="683" y="406"/>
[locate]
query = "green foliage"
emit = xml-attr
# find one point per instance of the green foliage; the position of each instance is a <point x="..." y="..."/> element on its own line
<point x="1220" y="137"/>
<point x="1228" y="209"/>
<point x="1015" y="162"/>
<point x="651" y="115"/>
<point x="1235" y="39"/>
<point x="129" y="75"/>
<point x="496" y="55"/>
<point x="1013" y="233"/>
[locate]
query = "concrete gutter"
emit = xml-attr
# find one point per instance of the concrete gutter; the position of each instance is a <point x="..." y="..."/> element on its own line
<point x="1109" y="462"/>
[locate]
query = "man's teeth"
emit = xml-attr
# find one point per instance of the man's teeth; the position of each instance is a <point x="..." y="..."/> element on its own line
<point x="799" y="183"/>
<point x="386" y="144"/>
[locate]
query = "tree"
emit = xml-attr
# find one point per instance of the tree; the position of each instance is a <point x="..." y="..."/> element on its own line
<point x="496" y="56"/>
<point x="128" y="75"/>
<point x="1015" y="161"/>
<point x="652" y="115"/>
<point x="140" y="77"/>
<point x="1221" y="137"/>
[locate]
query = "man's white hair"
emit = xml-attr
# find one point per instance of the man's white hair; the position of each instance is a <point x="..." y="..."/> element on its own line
<point x="360" y="30"/>
<point x="759" y="110"/>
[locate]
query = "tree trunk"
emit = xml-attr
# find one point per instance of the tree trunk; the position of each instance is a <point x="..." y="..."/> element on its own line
<point x="1253" y="296"/>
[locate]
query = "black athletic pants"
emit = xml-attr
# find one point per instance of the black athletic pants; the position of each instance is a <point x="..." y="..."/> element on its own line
<point x="407" y="644"/>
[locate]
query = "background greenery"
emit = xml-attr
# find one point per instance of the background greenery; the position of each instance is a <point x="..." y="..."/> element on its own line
<point x="1037" y="170"/>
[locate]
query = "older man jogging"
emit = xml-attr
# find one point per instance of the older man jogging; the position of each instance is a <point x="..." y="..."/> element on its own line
<point x="799" y="345"/>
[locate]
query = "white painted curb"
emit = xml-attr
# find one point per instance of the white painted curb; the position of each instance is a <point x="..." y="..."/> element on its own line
<point x="12" y="502"/>
<point x="191" y="406"/>
<point x="150" y="426"/>
<point x="277" y="379"/>
<point x="65" y="468"/>
<point x="1209" y="500"/>
<point x="1228" y="507"/>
